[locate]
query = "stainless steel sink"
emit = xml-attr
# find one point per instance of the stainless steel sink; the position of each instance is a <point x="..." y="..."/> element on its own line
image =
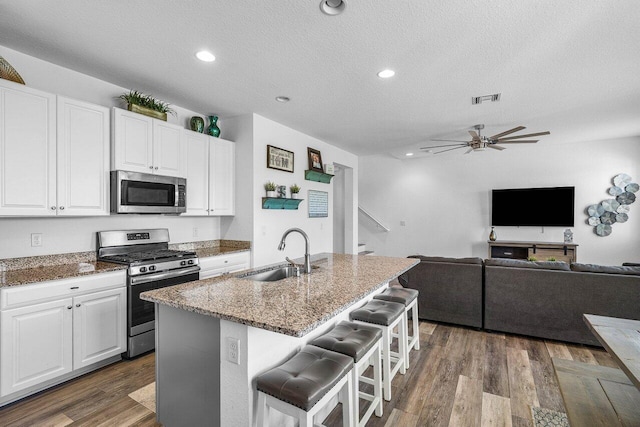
<point x="272" y="275"/>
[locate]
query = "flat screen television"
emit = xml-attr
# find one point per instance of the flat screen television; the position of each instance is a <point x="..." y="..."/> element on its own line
<point x="548" y="207"/>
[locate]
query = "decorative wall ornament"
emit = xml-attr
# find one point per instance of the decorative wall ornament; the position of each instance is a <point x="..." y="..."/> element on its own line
<point x="610" y="211"/>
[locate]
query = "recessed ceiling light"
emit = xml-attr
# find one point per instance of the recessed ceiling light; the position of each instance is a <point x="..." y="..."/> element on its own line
<point x="283" y="99"/>
<point x="332" y="7"/>
<point x="205" y="56"/>
<point x="409" y="154"/>
<point x="385" y="74"/>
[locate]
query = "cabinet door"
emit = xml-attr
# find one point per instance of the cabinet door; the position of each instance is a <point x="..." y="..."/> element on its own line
<point x="132" y="142"/>
<point x="197" y="153"/>
<point x="222" y="172"/>
<point x="27" y="151"/>
<point x="99" y="326"/>
<point x="35" y="344"/>
<point x="83" y="158"/>
<point x="168" y="149"/>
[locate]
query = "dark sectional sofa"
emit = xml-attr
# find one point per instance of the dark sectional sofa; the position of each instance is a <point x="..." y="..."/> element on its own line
<point x="540" y="299"/>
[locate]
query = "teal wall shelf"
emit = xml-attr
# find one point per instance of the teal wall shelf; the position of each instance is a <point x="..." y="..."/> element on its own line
<point x="311" y="175"/>
<point x="280" y="203"/>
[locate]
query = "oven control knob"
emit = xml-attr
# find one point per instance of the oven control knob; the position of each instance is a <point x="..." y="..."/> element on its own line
<point x="143" y="269"/>
<point x="190" y="262"/>
<point x="152" y="268"/>
<point x="183" y="262"/>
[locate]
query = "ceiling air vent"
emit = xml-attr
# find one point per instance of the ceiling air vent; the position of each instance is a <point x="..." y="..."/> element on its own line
<point x="479" y="99"/>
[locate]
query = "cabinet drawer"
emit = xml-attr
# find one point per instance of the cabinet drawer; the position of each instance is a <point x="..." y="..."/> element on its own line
<point x="40" y="292"/>
<point x="509" y="252"/>
<point x="222" y="261"/>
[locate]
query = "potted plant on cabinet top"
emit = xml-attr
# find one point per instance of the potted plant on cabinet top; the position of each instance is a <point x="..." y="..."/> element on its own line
<point x="294" y="191"/>
<point x="270" y="187"/>
<point x="146" y="104"/>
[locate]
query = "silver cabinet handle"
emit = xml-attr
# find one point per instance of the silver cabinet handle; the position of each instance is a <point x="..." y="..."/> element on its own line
<point x="150" y="167"/>
<point x="156" y="168"/>
<point x="78" y="305"/>
<point x="53" y="208"/>
<point x="69" y="307"/>
<point x="74" y="287"/>
<point x="61" y="208"/>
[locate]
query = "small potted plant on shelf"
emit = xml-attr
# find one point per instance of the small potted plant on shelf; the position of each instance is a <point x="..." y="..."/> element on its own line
<point x="294" y="189"/>
<point x="146" y="104"/>
<point x="270" y="187"/>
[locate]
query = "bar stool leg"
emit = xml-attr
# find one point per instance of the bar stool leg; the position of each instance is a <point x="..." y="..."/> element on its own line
<point x="347" y="399"/>
<point x="416" y="328"/>
<point x="386" y="363"/>
<point x="377" y="385"/>
<point x="263" y="411"/>
<point x="402" y="344"/>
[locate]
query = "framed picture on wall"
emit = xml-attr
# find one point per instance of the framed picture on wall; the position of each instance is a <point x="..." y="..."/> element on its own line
<point x="318" y="204"/>
<point x="278" y="158"/>
<point x="315" y="160"/>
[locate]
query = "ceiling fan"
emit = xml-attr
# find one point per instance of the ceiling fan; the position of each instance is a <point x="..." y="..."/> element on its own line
<point x="479" y="142"/>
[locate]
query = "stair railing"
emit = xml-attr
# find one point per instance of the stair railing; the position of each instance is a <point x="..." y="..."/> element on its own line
<point x="378" y="223"/>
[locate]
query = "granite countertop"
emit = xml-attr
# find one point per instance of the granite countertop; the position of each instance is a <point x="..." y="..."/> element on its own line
<point x="222" y="250"/>
<point x="213" y="247"/>
<point x="54" y="272"/>
<point x="293" y="306"/>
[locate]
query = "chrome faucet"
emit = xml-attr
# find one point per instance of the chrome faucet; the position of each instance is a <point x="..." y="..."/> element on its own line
<point x="307" y="256"/>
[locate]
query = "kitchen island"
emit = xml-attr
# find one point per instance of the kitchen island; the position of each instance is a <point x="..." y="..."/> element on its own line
<point x="214" y="336"/>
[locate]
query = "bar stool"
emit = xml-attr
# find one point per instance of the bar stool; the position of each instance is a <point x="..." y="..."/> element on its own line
<point x="386" y="315"/>
<point x="304" y="384"/>
<point x="408" y="297"/>
<point x="362" y="343"/>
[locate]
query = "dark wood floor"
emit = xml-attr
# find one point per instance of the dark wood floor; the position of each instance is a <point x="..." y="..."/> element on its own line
<point x="460" y="377"/>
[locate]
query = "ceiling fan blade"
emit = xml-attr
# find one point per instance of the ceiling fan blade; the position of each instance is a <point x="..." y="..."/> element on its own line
<point x="524" y="136"/>
<point x="474" y="135"/>
<point x="454" y="148"/>
<point x="496" y="147"/>
<point x="442" y="146"/>
<point x="507" y="132"/>
<point x="447" y="140"/>
<point x="515" y="142"/>
<point x="469" y="150"/>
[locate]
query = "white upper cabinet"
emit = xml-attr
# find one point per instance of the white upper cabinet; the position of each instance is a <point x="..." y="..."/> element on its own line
<point x="222" y="169"/>
<point x="210" y="175"/>
<point x="197" y="147"/>
<point x="54" y="155"/>
<point x="27" y="151"/>
<point x="83" y="158"/>
<point x="147" y="145"/>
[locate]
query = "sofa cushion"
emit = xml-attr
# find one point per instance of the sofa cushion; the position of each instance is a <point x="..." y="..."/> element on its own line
<point x="471" y="260"/>
<point x="608" y="269"/>
<point x="521" y="263"/>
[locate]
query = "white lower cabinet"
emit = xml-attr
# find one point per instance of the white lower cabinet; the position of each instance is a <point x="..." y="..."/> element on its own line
<point x="51" y="329"/>
<point x="36" y="344"/>
<point x="224" y="264"/>
<point x="98" y="321"/>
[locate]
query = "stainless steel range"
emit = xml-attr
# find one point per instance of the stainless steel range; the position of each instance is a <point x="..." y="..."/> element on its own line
<point x="152" y="265"/>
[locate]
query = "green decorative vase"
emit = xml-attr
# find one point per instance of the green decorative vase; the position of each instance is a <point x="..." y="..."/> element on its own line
<point x="213" y="128"/>
<point x="197" y="124"/>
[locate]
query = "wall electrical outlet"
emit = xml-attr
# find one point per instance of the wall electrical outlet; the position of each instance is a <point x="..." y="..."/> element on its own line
<point x="233" y="350"/>
<point x="195" y="231"/>
<point x="36" y="239"/>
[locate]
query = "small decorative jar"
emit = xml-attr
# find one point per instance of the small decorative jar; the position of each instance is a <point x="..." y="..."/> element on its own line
<point x="568" y="236"/>
<point x="197" y="124"/>
<point x="493" y="236"/>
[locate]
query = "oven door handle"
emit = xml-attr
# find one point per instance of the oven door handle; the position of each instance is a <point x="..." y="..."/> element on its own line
<point x="163" y="275"/>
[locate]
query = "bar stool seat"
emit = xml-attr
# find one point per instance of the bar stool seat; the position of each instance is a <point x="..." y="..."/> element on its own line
<point x="362" y="343"/>
<point x="408" y="297"/>
<point x="386" y="315"/>
<point x="302" y="386"/>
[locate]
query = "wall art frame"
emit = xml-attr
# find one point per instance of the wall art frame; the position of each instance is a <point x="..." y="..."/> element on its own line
<point x="280" y="159"/>
<point x="315" y="160"/>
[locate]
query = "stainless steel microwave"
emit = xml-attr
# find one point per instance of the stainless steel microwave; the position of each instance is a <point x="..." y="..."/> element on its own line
<point x="142" y="193"/>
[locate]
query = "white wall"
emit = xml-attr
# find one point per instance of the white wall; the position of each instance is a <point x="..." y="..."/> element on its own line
<point x="445" y="200"/>
<point x="267" y="226"/>
<point x="61" y="235"/>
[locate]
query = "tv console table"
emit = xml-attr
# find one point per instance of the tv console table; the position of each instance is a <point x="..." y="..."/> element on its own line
<point x="542" y="251"/>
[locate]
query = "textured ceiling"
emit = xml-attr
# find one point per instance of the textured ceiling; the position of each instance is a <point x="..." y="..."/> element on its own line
<point x="571" y="67"/>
